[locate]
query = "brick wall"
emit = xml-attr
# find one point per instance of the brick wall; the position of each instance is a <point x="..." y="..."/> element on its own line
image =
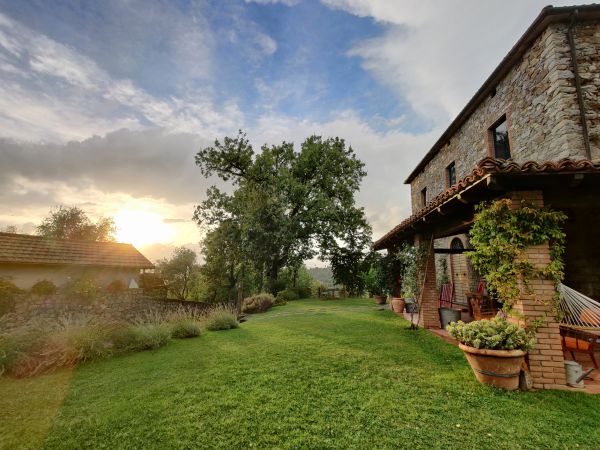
<point x="539" y="99"/>
<point x="126" y="305"/>
<point x="428" y="312"/>
<point x="546" y="361"/>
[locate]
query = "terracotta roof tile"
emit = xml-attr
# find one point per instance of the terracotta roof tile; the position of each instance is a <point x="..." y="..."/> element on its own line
<point x="28" y="249"/>
<point x="492" y="166"/>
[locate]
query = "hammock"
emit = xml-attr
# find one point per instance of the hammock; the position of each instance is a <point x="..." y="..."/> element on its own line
<point x="579" y="311"/>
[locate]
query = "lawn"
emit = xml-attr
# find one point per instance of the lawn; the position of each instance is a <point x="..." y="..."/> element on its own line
<point x="311" y="374"/>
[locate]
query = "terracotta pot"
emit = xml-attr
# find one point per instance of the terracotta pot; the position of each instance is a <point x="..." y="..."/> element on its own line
<point x="379" y="299"/>
<point x="500" y="368"/>
<point x="398" y="305"/>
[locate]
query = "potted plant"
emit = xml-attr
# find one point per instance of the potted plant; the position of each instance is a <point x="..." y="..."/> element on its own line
<point x="398" y="304"/>
<point x="374" y="283"/>
<point x="495" y="349"/>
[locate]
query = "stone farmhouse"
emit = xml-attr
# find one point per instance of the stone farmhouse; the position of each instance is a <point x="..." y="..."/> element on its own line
<point x="26" y="259"/>
<point x="532" y="132"/>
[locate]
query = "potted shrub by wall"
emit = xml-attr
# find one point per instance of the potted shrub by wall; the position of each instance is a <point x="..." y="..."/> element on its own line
<point x="374" y="284"/>
<point x="495" y="349"/>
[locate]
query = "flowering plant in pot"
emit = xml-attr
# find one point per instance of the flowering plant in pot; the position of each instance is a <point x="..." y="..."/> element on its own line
<point x="495" y="349"/>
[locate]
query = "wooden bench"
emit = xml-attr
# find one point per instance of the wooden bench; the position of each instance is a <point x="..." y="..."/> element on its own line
<point x="575" y="340"/>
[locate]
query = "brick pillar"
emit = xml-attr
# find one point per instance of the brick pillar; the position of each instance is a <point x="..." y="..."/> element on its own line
<point x="428" y="313"/>
<point x="546" y="361"/>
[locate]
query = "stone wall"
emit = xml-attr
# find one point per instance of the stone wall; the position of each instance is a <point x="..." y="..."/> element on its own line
<point x="127" y="305"/>
<point x="539" y="99"/>
<point x="587" y="42"/>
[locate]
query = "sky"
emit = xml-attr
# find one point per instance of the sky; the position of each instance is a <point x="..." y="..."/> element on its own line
<point x="103" y="105"/>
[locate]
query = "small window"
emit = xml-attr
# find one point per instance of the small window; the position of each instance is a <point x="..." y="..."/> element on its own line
<point x="451" y="174"/>
<point x="423" y="196"/>
<point x="500" y="140"/>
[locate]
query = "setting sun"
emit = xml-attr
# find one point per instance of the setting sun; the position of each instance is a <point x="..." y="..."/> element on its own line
<point x="141" y="228"/>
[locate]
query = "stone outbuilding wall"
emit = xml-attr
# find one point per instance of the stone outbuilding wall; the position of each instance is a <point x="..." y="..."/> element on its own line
<point x="26" y="275"/>
<point x="538" y="98"/>
<point x="128" y="305"/>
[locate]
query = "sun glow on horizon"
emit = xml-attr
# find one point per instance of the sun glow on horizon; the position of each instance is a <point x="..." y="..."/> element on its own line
<point x="142" y="228"/>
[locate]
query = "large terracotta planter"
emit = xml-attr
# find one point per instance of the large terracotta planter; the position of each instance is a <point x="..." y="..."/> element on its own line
<point x="500" y="368"/>
<point x="379" y="299"/>
<point x="398" y="305"/>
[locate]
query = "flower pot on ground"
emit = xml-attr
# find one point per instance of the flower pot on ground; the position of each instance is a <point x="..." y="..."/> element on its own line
<point x="495" y="349"/>
<point x="411" y="305"/>
<point x="398" y="304"/>
<point x="499" y="368"/>
<point x="379" y="299"/>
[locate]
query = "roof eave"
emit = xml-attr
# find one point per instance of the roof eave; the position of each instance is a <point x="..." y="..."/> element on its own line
<point x="147" y="265"/>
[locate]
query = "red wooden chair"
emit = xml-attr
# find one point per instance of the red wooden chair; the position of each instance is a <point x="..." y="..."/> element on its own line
<point x="481" y="305"/>
<point x="446" y="295"/>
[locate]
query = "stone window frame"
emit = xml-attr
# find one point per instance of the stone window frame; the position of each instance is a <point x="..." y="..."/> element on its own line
<point x="423" y="197"/>
<point x="505" y="117"/>
<point x="447" y="174"/>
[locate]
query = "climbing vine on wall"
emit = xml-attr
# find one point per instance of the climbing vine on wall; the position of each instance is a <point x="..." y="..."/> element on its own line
<point x="500" y="236"/>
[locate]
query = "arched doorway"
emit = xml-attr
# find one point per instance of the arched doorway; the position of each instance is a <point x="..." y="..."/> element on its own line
<point x="459" y="271"/>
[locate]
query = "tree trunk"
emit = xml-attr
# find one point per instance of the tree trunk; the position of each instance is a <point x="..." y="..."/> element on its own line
<point x="240" y="293"/>
<point x="273" y="275"/>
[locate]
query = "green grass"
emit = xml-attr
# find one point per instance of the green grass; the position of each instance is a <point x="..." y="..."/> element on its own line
<point x="310" y="374"/>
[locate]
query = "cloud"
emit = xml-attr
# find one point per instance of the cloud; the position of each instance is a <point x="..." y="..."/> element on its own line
<point x="144" y="163"/>
<point x="175" y="220"/>
<point x="51" y="92"/>
<point x="436" y="54"/>
<point x="266" y="43"/>
<point x="273" y="2"/>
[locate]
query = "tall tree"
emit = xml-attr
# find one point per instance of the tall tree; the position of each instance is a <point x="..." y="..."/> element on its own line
<point x="73" y="223"/>
<point x="179" y="271"/>
<point x="287" y="206"/>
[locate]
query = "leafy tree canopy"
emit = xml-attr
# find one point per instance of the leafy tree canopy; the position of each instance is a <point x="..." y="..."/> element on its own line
<point x="286" y="206"/>
<point x="179" y="271"/>
<point x="73" y="223"/>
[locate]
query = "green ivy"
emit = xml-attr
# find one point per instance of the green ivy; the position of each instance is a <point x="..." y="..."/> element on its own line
<point x="500" y="236"/>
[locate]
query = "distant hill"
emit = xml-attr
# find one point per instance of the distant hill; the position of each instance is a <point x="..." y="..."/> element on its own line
<point x="322" y="274"/>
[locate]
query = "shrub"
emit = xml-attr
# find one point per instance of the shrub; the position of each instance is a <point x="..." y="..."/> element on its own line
<point x="43" y="345"/>
<point x="185" y="328"/>
<point x="258" y="303"/>
<point x="85" y="288"/>
<point x="221" y="319"/>
<point x="40" y="346"/>
<point x="287" y="295"/>
<point x="303" y="292"/>
<point x="115" y="286"/>
<point x="495" y="334"/>
<point x="44" y="287"/>
<point x="279" y="301"/>
<point x="143" y="336"/>
<point x="8" y="293"/>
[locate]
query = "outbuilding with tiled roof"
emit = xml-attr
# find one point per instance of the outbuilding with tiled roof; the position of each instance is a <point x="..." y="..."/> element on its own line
<point x="26" y="259"/>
